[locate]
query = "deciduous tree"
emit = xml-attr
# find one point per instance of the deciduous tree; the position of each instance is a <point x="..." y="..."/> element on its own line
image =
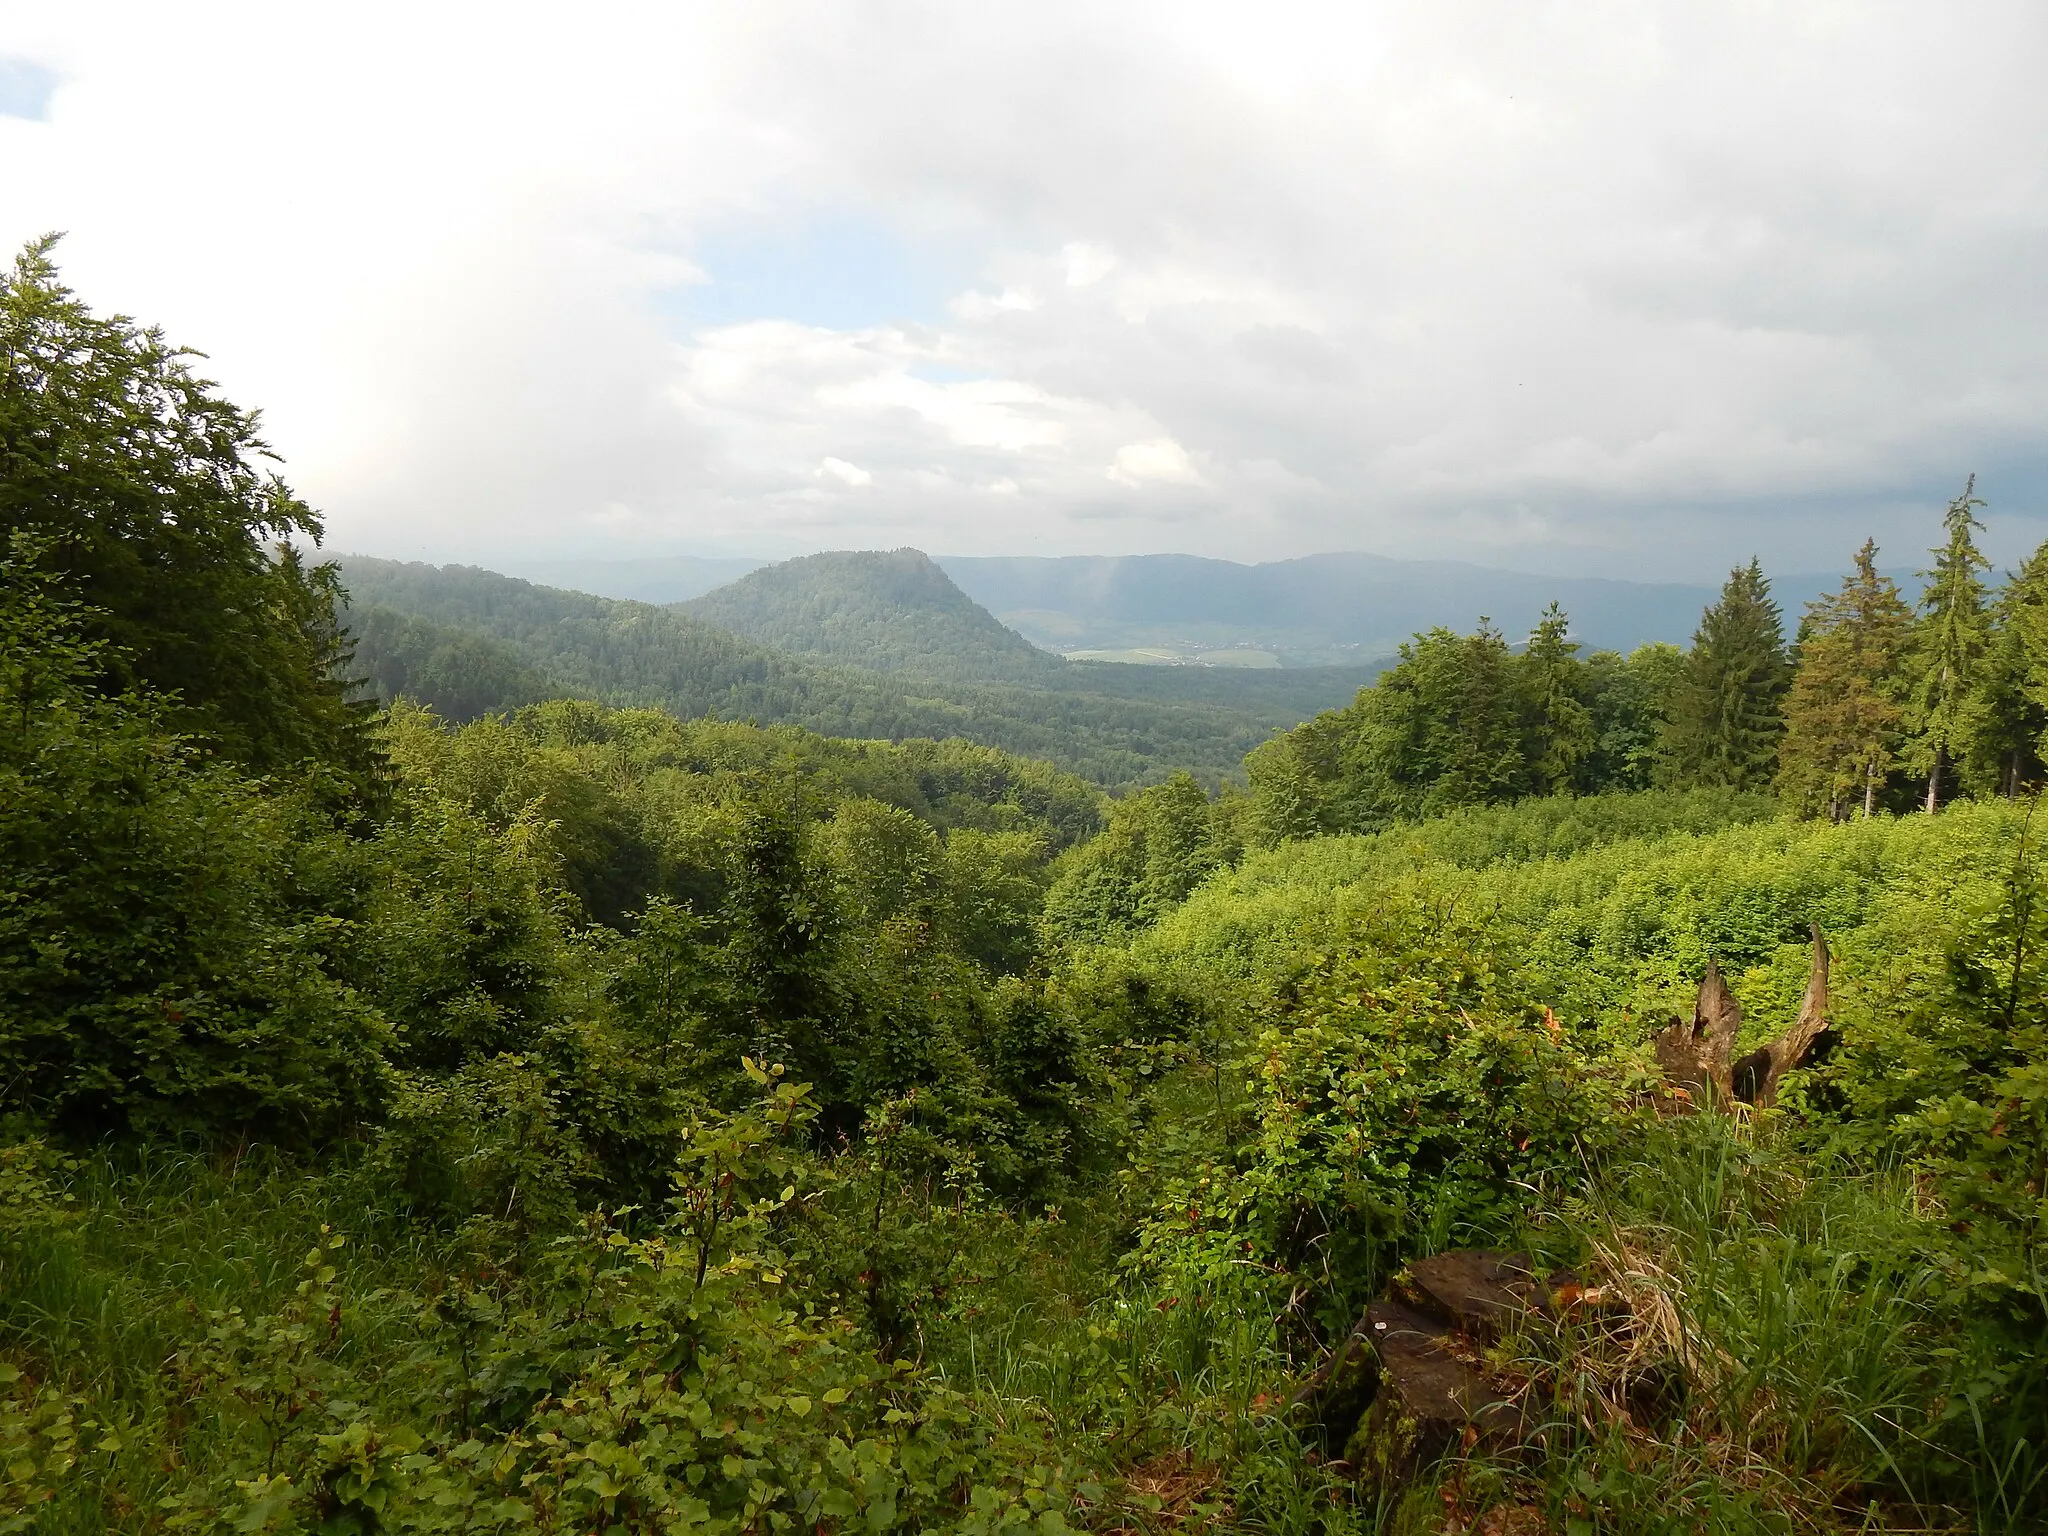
<point x="151" y="495"/>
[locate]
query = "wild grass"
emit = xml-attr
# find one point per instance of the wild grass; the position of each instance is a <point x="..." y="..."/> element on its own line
<point x="101" y="1305"/>
<point x="1815" y="1351"/>
<point x="1776" y="1354"/>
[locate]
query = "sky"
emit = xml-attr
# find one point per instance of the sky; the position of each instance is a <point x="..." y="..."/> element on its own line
<point x="1597" y="288"/>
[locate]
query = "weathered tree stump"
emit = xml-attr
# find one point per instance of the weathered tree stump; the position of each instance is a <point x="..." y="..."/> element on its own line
<point x="1695" y="1057"/>
<point x="1411" y="1382"/>
<point x="1435" y="1397"/>
<point x="1476" y="1290"/>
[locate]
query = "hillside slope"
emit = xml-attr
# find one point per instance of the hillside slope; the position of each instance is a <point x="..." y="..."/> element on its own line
<point x="898" y="612"/>
<point x="636" y="654"/>
<point x="891" y="611"/>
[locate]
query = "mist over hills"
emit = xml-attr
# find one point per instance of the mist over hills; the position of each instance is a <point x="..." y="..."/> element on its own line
<point x="1316" y="608"/>
<point x="653" y="579"/>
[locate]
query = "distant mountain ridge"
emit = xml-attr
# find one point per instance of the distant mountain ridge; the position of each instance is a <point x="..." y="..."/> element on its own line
<point x="468" y="641"/>
<point x="1311" y="610"/>
<point x="1333" y="603"/>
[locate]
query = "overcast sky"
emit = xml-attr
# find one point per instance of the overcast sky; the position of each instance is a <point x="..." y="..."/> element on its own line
<point x="1629" y="289"/>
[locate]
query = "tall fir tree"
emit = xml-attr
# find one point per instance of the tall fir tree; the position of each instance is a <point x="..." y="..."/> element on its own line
<point x="1950" y="643"/>
<point x="1558" y="726"/>
<point x="2012" y="693"/>
<point x="1725" y="716"/>
<point x="1842" y="715"/>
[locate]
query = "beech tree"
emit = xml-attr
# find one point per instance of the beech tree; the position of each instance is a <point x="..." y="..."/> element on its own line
<point x="1843" y="718"/>
<point x="1724" y="718"/>
<point x="1949" y="646"/>
<point x="151" y="497"/>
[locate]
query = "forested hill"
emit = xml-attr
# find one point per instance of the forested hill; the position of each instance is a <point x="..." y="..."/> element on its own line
<point x="582" y="1119"/>
<point x="890" y="610"/>
<point x="467" y="641"/>
<point x="899" y="612"/>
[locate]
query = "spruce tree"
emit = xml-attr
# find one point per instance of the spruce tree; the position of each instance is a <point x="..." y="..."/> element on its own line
<point x="1724" y="718"/>
<point x="2012" y="707"/>
<point x="1842" y="715"/>
<point x="1953" y="635"/>
<point x="1558" y="726"/>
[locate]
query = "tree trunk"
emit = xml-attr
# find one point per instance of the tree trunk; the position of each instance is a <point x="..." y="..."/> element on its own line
<point x="1869" y="792"/>
<point x="1789" y="1049"/>
<point x="1934" y="785"/>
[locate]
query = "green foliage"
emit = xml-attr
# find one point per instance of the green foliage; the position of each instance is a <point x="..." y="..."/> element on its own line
<point x="1843" y="720"/>
<point x="1404" y="1093"/>
<point x="1083" y="1144"/>
<point x="1949" y="646"/>
<point x="159" y="963"/>
<point x="629" y="1381"/>
<point x="456" y="673"/>
<point x="125" y="473"/>
<point x="1723" y="721"/>
<point x="2009" y="721"/>
<point x="1462" y="720"/>
<point x="1161" y="843"/>
<point x="1112" y="729"/>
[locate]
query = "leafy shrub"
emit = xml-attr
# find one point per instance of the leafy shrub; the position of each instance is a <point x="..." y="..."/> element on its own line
<point x="1403" y="1094"/>
<point x="160" y="963"/>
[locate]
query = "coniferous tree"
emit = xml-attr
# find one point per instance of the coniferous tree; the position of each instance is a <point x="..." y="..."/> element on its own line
<point x="1559" y="727"/>
<point x="1949" y="647"/>
<point x="2012" y="711"/>
<point x="1724" y="718"/>
<point x="1842" y="715"/>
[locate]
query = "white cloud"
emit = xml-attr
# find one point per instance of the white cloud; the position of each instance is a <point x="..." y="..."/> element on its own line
<point x="1087" y="263"/>
<point x="1640" y="286"/>
<point x="1159" y="459"/>
<point x="847" y="474"/>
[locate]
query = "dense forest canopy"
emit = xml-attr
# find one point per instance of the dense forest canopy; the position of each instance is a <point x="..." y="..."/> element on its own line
<point x="892" y="611"/>
<point x="566" y="1113"/>
<point x="468" y="641"/>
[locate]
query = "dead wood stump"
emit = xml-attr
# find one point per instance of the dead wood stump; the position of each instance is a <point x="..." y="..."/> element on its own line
<point x="1696" y="1058"/>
